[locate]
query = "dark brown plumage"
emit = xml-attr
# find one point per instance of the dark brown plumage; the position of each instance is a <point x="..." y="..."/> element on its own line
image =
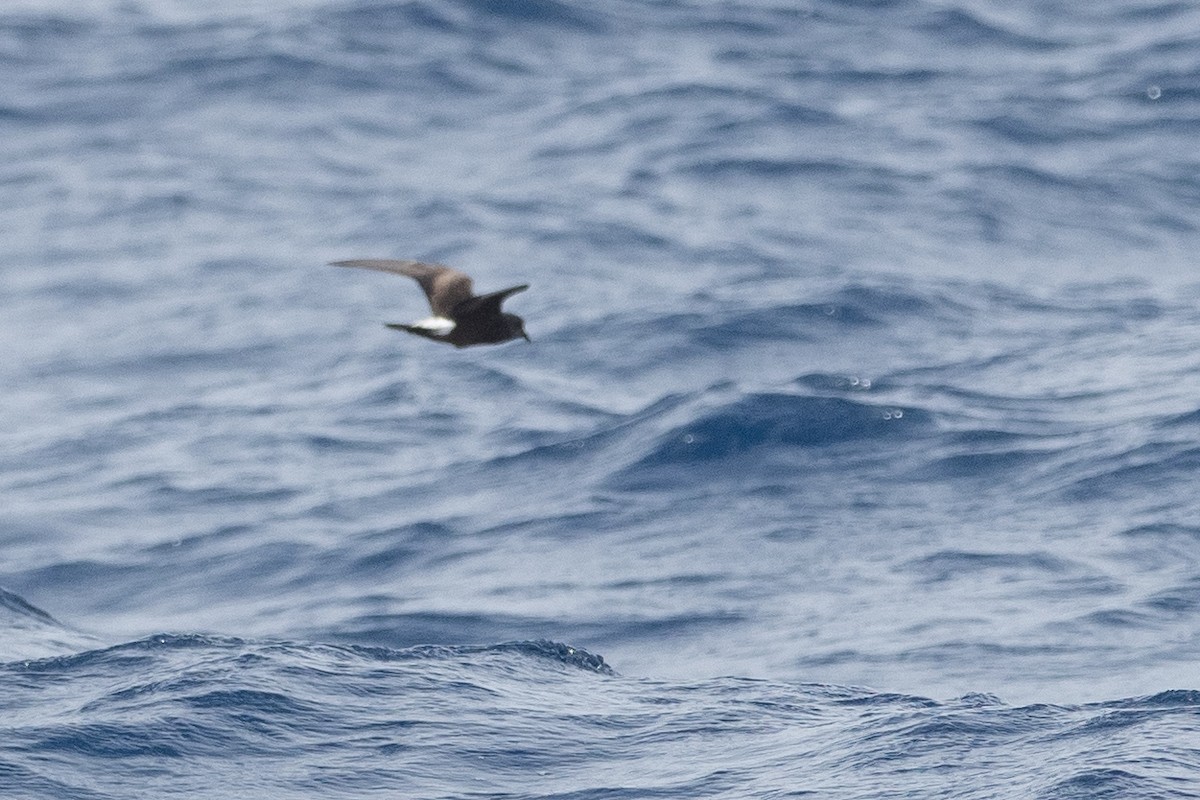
<point x="460" y="317"/>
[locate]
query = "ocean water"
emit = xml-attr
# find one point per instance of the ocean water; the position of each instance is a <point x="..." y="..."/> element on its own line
<point x="855" y="455"/>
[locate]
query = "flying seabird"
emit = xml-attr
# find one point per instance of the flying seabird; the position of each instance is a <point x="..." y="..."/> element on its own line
<point x="460" y="317"/>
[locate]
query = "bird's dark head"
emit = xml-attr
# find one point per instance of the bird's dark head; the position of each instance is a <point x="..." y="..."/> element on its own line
<point x="516" y="327"/>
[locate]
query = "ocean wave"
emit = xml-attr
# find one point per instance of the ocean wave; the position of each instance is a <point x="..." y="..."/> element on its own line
<point x="783" y="420"/>
<point x="28" y="633"/>
<point x="540" y="718"/>
<point x="851" y="366"/>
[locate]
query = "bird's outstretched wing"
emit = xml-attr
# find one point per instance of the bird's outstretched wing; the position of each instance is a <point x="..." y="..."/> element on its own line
<point x="487" y="303"/>
<point x="445" y="287"/>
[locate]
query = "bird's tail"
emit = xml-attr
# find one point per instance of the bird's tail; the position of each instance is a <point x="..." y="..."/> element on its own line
<point x="416" y="329"/>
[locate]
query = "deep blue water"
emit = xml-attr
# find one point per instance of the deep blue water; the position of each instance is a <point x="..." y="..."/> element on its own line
<point x="855" y="455"/>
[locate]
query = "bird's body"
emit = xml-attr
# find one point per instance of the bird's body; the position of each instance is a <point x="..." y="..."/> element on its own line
<point x="460" y="317"/>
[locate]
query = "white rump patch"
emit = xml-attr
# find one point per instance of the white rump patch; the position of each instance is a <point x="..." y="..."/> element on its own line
<point x="439" y="325"/>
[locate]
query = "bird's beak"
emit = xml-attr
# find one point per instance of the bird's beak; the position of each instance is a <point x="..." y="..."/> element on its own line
<point x="526" y="335"/>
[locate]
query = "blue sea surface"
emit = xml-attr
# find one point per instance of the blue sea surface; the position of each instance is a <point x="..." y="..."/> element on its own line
<point x="856" y="453"/>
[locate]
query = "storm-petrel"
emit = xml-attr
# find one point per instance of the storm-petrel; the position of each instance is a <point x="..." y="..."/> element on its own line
<point x="460" y="317"/>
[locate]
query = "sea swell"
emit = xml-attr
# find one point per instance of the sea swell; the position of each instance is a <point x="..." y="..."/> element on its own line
<point x="863" y="355"/>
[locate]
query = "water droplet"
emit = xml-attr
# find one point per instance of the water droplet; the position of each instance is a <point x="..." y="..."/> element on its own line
<point x="1154" y="92"/>
<point x="688" y="438"/>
